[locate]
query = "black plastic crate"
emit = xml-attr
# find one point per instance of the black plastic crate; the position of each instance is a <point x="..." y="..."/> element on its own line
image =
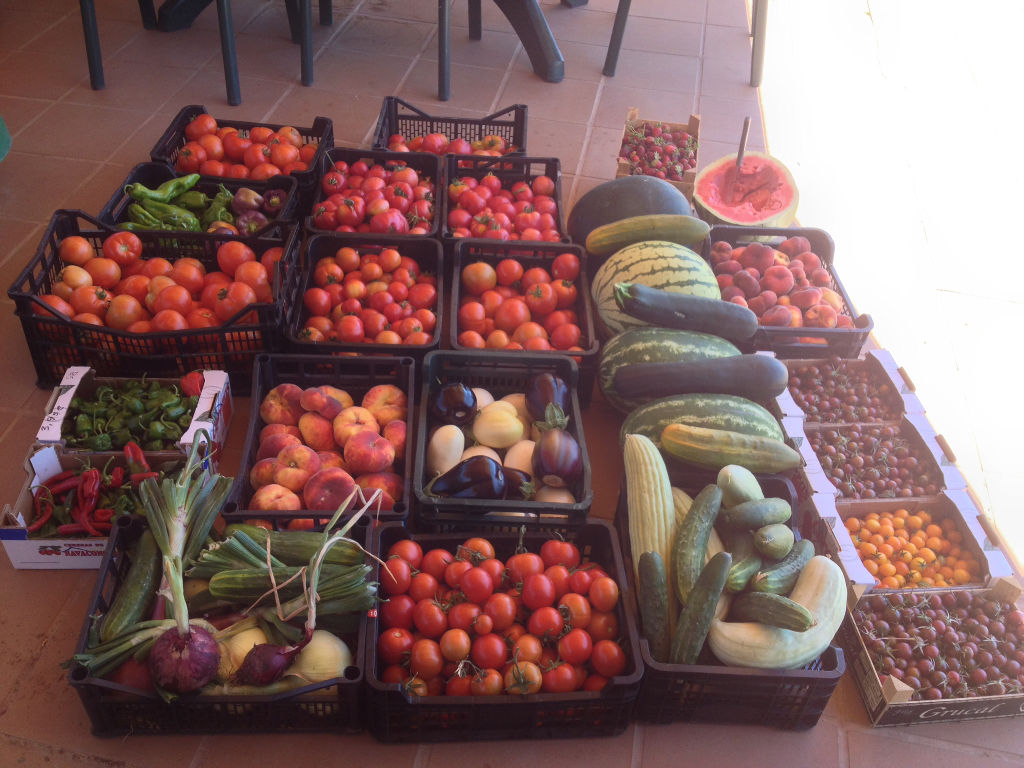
<point x="427" y="166"/>
<point x="532" y="254"/>
<point x="320" y="133"/>
<point x="393" y="715"/>
<point x="500" y="375"/>
<point x="401" y="117"/>
<point x="118" y="710"/>
<point x="510" y="169"/>
<point x="791" y="699"/>
<point x="354" y="374"/>
<point x="426" y="252"/>
<point x="57" y="342"/>
<point x="153" y="175"/>
<point x="805" y="341"/>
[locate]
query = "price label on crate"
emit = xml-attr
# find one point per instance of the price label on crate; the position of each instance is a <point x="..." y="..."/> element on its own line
<point x="50" y="431"/>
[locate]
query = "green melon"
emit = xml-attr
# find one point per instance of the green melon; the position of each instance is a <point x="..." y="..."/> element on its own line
<point x="763" y="195"/>
<point x="655" y="263"/>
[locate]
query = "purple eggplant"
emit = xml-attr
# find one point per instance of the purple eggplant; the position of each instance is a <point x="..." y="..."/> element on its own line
<point x="557" y="458"/>
<point x="453" y="404"/>
<point x="518" y="485"/>
<point x="546" y="389"/>
<point x="478" y="477"/>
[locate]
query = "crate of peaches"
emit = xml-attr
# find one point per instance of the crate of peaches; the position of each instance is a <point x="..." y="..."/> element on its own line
<point x="321" y="428"/>
<point x="372" y="295"/>
<point x="140" y="303"/>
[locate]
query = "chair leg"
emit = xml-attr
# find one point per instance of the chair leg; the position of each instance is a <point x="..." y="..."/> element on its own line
<point x="307" y="41"/>
<point x="611" y="58"/>
<point x="759" y="27"/>
<point x="532" y="28"/>
<point x="148" y="13"/>
<point x="476" y="27"/>
<point x="326" y="13"/>
<point x="294" y="19"/>
<point x="444" y="50"/>
<point x="92" y="44"/>
<point x="227" y="51"/>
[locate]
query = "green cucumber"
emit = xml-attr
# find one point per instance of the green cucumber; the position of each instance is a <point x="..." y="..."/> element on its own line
<point x="691" y="540"/>
<point x="755" y="514"/>
<point x="774" y="541"/>
<point x="769" y="608"/>
<point x="652" y="595"/>
<point x="137" y="590"/>
<point x="780" y="577"/>
<point x="696" y="616"/>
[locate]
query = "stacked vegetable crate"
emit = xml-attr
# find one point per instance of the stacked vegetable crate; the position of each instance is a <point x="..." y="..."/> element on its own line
<point x="398" y="117"/>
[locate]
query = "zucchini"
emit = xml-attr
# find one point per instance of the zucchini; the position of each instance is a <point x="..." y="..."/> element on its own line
<point x="714" y="448"/>
<point x="674" y="228"/>
<point x="650" y="510"/>
<point x="774" y="541"/>
<point x="691" y="540"/>
<point x="738" y="484"/>
<point x="297" y="547"/>
<point x="137" y="590"/>
<point x="781" y="576"/>
<point x="698" y="613"/>
<point x="756" y="377"/>
<point x="668" y="309"/>
<point x="756" y="514"/>
<point x="774" y="610"/>
<point x="652" y="595"/>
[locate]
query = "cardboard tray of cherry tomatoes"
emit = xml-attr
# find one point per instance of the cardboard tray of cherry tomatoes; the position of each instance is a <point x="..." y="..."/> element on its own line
<point x="531" y="255"/>
<point x="799" y="342"/>
<point x="153" y="175"/>
<point x="957" y="505"/>
<point x="886" y="378"/>
<point x="320" y="133"/>
<point x="396" y="715"/>
<point x="119" y="709"/>
<point x="401" y="117"/>
<point x="426" y="252"/>
<point x="56" y="342"/>
<point x="889" y="701"/>
<point x="356" y="376"/>
<point x="790" y="699"/>
<point x="428" y="168"/>
<point x="500" y="375"/>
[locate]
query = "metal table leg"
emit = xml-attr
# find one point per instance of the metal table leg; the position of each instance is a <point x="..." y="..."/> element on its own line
<point x="758" y="27"/>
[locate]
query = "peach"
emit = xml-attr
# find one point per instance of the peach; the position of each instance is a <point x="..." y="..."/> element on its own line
<point x="295" y="465"/>
<point x="327" y="489"/>
<point x="366" y="451"/>
<point x="724" y="280"/>
<point x="844" y="321"/>
<point x="331" y="459"/>
<point x="720" y="251"/>
<point x="275" y="497"/>
<point x="315" y="400"/>
<point x="352" y="420"/>
<point x="791" y="246"/>
<point x="317" y="431"/>
<point x="730" y="292"/>
<point x="781" y="258"/>
<point x="763" y="302"/>
<point x="796" y="268"/>
<point x="747" y="283"/>
<point x="820" y="278"/>
<point x="821" y="316"/>
<point x="270" y="429"/>
<point x="727" y="267"/>
<point x="262" y="472"/>
<point x="805" y="298"/>
<point x="833" y="299"/>
<point x="757" y="255"/>
<point x="801" y="282"/>
<point x="275" y="443"/>
<point x="390" y="483"/>
<point x="809" y="259"/>
<point x="386" y="402"/>
<point x="281" y="405"/>
<point x="781" y="315"/>
<point x="396" y="432"/>
<point x="738" y="300"/>
<point x="777" y="279"/>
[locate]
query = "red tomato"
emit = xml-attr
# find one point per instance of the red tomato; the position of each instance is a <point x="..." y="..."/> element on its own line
<point x="394" y="644"/>
<point x="423" y="296"/>
<point x="603" y="626"/>
<point x="121" y="247"/>
<point x="233" y="299"/>
<point x="603" y="593"/>
<point x="607" y="658"/>
<point x="316" y="301"/>
<point x="350" y="329"/>
<point x="476" y="584"/>
<point x="429" y="618"/>
<point x="435" y="561"/>
<point x="543" y="185"/>
<point x="511" y="314"/>
<point x="123" y="310"/>
<point x="566" y="266"/>
<point x="489" y="651"/>
<point x="560" y="552"/>
<point x="471" y="316"/>
<point x="396" y="612"/>
<point x="565" y="293"/>
<point x="200" y="125"/>
<point x="546" y="623"/>
<point x="538" y="591"/>
<point x="509" y="272"/>
<point x="559" y="678"/>
<point x="395" y="576"/>
<point x="479" y="277"/>
<point x="233" y="253"/>
<point x="578" y="607"/>
<point x="575" y="646"/>
<point x="190" y="157"/>
<point x="486" y="682"/>
<point x="533" y="276"/>
<point x="425" y="659"/>
<point x="106" y="273"/>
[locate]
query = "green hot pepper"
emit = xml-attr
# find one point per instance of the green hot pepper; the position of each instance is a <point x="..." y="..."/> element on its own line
<point x="165" y="192"/>
<point x="171" y="216"/>
<point x="193" y="200"/>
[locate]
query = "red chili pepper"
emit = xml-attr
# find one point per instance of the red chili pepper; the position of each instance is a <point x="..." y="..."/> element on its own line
<point x="137" y="477"/>
<point x="135" y="457"/>
<point x="72" y="529"/>
<point x="86" y="499"/>
<point x="103" y="515"/>
<point x="43" y="504"/>
<point x="192" y="383"/>
<point x="116" y="479"/>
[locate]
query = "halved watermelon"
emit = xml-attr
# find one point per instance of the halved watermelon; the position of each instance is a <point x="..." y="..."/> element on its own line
<point x="762" y="194"/>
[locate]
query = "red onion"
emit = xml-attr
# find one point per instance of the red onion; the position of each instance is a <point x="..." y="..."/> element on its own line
<point x="182" y="663"/>
<point x="266" y="662"/>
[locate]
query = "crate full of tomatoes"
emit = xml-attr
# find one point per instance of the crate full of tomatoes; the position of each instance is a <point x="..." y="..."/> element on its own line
<point x="509" y="296"/>
<point x="197" y="142"/>
<point x="500" y="636"/>
<point x="132" y="304"/>
<point x="370" y="295"/>
<point x="401" y="127"/>
<point x="377" y="192"/>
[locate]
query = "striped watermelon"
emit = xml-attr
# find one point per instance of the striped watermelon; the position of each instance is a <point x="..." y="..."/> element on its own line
<point x="737" y="414"/>
<point x="655" y="263"/>
<point x="654" y="345"/>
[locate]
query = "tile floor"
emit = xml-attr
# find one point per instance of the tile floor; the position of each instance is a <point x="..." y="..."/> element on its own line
<point x="72" y="146"/>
